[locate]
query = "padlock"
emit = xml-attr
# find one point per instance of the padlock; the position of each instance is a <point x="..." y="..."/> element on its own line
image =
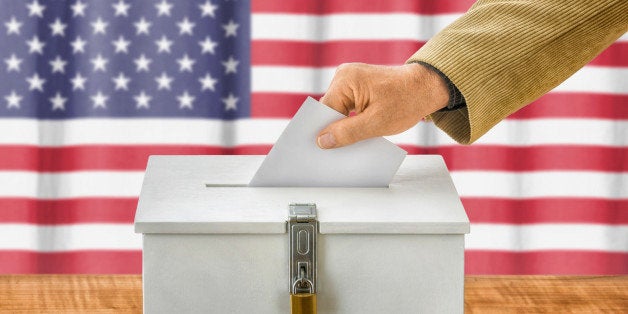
<point x="303" y="303"/>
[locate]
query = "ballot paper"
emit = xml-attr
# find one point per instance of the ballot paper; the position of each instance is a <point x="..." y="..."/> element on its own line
<point x="296" y="161"/>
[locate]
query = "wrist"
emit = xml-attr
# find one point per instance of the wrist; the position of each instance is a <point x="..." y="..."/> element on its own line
<point x="432" y="88"/>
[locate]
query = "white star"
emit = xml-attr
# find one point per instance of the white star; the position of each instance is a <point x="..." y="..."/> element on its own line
<point x="231" y="65"/>
<point x="208" y="46"/>
<point x="185" y="63"/>
<point x="13" y="26"/>
<point x="208" y="82"/>
<point x="78" y="45"/>
<point x="13" y="100"/>
<point x="185" y="26"/>
<point x="121" y="8"/>
<point x="185" y="100"/>
<point x="231" y="28"/>
<point x="58" y="28"/>
<point x="36" y="82"/>
<point x="100" y="26"/>
<point x="163" y="44"/>
<point x="58" y="102"/>
<point x="99" y="63"/>
<point x="100" y="100"/>
<point x="208" y="9"/>
<point x="230" y="102"/>
<point x="142" y="100"/>
<point x="163" y="8"/>
<point x="35" y="8"/>
<point x="13" y="63"/>
<point x="142" y="63"/>
<point x="58" y="65"/>
<point x="78" y="8"/>
<point x="34" y="45"/>
<point x="142" y="26"/>
<point x="121" y="81"/>
<point x="163" y="81"/>
<point x="78" y="82"/>
<point x="121" y="44"/>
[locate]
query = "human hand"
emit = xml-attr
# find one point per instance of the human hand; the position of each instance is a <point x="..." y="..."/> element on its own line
<point x="386" y="99"/>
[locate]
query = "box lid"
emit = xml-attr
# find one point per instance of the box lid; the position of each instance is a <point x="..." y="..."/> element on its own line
<point x="209" y="194"/>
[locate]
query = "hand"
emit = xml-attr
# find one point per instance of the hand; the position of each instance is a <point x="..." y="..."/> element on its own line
<point x="387" y="100"/>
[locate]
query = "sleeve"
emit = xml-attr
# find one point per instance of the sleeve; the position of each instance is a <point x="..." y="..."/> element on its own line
<point x="502" y="55"/>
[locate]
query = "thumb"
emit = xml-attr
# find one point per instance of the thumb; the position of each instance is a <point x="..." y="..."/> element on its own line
<point x="346" y="131"/>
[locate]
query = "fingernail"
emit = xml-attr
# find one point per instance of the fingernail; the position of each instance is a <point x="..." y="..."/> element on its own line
<point x="326" y="140"/>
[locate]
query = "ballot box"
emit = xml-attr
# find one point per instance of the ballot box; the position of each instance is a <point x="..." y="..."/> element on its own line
<point x="212" y="244"/>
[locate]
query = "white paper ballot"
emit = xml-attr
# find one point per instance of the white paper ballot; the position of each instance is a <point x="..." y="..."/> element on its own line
<point x="297" y="161"/>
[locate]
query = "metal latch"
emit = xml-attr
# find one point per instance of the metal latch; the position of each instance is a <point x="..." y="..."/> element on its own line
<point x="303" y="227"/>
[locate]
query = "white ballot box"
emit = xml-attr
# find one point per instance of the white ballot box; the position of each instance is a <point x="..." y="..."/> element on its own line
<point x="211" y="244"/>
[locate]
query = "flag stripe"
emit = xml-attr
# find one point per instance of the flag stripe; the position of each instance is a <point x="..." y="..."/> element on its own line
<point x="560" y="262"/>
<point x="546" y="210"/>
<point x="68" y="211"/>
<point x="477" y="157"/>
<point x="356" y="6"/>
<point x="391" y="52"/>
<point x="75" y="262"/>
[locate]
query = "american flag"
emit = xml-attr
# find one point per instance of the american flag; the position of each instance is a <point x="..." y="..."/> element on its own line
<point x="91" y="88"/>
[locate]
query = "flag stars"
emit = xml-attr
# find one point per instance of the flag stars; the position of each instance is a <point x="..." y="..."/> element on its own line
<point x="121" y="8"/>
<point x="58" y="102"/>
<point x="142" y="63"/>
<point x="142" y="100"/>
<point x="208" y="9"/>
<point x="99" y="63"/>
<point x="231" y="28"/>
<point x="208" y="46"/>
<point x="142" y="26"/>
<point x="99" y="100"/>
<point x="163" y="44"/>
<point x="163" y="8"/>
<point x="35" y="82"/>
<point x="121" y="45"/>
<point x="208" y="82"/>
<point x="185" y="100"/>
<point x="99" y="26"/>
<point x="185" y="26"/>
<point x="13" y="26"/>
<point x="78" y="82"/>
<point x="13" y="63"/>
<point x="121" y="82"/>
<point x="34" y="45"/>
<point x="58" y="65"/>
<point x="163" y="81"/>
<point x="35" y="9"/>
<point x="13" y="100"/>
<point x="78" y="8"/>
<point x="58" y="28"/>
<point x="230" y="102"/>
<point x="185" y="63"/>
<point x="231" y="65"/>
<point x="78" y="45"/>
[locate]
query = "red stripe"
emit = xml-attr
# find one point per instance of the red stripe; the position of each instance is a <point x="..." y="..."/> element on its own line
<point x="390" y="52"/>
<point x="67" y="211"/>
<point x="359" y="6"/>
<point x="76" y="262"/>
<point x="545" y="262"/>
<point x="552" y="105"/>
<point x="546" y="210"/>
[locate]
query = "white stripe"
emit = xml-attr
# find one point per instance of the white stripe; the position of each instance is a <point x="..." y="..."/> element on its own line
<point x="60" y="185"/>
<point x="310" y="80"/>
<point x="317" y="28"/>
<point x="541" y="184"/>
<point x="265" y="131"/>
<point x="63" y="238"/>
<point x="548" y="237"/>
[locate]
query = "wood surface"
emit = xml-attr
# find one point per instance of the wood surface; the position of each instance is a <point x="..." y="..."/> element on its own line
<point x="483" y="294"/>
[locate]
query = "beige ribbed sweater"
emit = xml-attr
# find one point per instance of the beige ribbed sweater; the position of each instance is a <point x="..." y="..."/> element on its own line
<point x="502" y="55"/>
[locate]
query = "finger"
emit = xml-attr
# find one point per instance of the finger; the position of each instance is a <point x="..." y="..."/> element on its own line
<point x="347" y="131"/>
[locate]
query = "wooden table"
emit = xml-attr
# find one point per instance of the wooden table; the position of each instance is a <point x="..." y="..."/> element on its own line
<point x="498" y="294"/>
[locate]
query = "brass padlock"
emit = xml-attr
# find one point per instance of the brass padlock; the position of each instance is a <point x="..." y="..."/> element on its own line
<point x="303" y="303"/>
